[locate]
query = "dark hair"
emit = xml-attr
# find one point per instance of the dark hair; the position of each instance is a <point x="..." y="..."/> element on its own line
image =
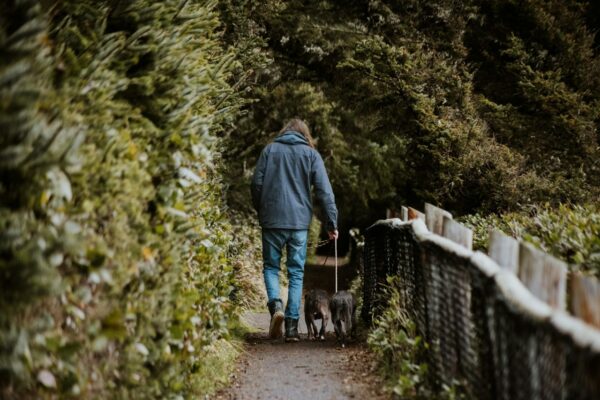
<point x="297" y="125"/>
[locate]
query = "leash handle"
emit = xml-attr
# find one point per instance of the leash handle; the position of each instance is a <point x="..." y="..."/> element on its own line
<point x="336" y="262"/>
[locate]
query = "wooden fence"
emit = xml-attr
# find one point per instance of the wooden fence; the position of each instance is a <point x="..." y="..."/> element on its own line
<point x="548" y="278"/>
<point x="510" y="324"/>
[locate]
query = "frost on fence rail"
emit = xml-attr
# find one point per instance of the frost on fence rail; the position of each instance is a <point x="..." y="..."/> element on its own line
<point x="487" y="331"/>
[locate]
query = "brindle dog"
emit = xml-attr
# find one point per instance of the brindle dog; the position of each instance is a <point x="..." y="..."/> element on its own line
<point x="316" y="306"/>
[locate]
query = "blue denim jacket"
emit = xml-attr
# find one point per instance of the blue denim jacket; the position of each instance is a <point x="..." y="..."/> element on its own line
<point x="284" y="174"/>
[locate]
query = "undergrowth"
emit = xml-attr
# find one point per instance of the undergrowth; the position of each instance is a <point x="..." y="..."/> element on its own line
<point x="401" y="352"/>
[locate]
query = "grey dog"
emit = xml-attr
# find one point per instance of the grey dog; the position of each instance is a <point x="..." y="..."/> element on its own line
<point x="342" y="306"/>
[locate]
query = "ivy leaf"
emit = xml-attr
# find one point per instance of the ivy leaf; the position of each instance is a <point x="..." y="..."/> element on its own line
<point x="61" y="186"/>
<point x="143" y="350"/>
<point x="189" y="175"/>
<point x="47" y="379"/>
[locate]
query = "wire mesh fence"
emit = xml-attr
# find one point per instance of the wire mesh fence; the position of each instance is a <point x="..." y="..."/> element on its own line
<point x="485" y="329"/>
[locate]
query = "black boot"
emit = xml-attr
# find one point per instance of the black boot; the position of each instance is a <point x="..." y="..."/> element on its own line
<point x="291" y="330"/>
<point x="276" y="310"/>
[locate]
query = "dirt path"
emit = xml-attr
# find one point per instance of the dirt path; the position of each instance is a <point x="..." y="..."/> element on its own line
<point x="272" y="369"/>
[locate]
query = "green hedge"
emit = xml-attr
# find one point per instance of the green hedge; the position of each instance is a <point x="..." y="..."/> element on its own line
<point x="115" y="267"/>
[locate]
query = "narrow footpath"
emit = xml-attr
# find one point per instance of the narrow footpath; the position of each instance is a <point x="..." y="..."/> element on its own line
<point x="320" y="370"/>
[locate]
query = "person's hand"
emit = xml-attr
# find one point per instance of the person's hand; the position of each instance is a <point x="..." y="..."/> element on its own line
<point x="333" y="234"/>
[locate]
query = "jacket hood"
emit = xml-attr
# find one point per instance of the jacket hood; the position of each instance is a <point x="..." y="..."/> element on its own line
<point x="291" y="137"/>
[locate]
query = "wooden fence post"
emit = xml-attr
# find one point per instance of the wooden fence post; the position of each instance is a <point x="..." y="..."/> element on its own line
<point x="544" y="276"/>
<point x="458" y="233"/>
<point x="414" y="214"/>
<point x="404" y="213"/>
<point x="504" y="250"/>
<point x="434" y="218"/>
<point x="585" y="298"/>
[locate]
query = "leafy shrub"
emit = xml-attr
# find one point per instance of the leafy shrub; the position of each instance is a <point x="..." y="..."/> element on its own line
<point x="246" y="254"/>
<point x="115" y="251"/>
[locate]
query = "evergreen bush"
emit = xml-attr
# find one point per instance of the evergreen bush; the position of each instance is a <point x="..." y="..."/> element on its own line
<point x="116" y="248"/>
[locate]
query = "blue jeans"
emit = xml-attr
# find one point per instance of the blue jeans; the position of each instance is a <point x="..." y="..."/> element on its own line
<point x="273" y="241"/>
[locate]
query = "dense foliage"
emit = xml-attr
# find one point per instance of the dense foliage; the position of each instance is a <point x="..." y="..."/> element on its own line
<point x="473" y="105"/>
<point x="115" y="261"/>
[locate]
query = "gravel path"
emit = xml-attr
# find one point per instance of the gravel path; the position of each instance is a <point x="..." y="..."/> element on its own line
<point x="272" y="369"/>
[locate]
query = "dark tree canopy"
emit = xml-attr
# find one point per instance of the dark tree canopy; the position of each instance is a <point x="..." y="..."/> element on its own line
<point x="476" y="105"/>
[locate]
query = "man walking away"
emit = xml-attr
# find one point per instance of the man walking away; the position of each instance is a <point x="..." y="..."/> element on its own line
<point x="281" y="194"/>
